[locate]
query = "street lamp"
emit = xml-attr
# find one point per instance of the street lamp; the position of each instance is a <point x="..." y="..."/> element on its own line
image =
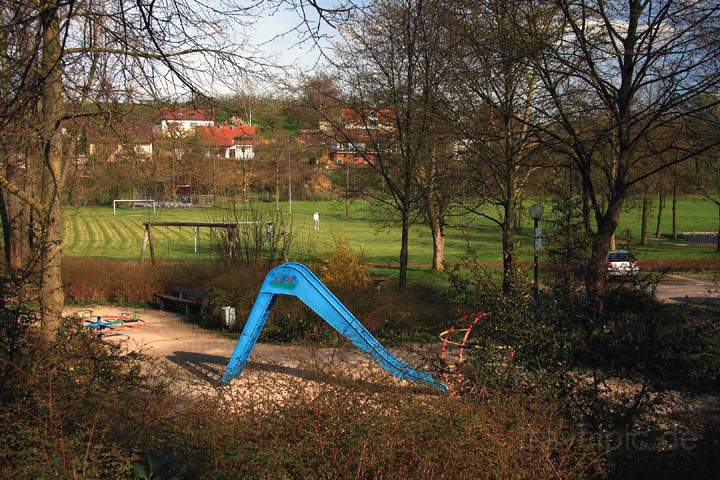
<point x="536" y="213"/>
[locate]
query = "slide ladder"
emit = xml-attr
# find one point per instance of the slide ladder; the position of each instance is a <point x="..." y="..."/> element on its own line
<point x="297" y="280"/>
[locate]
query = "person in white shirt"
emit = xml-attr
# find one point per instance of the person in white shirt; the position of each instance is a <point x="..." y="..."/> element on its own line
<point x="316" y="221"/>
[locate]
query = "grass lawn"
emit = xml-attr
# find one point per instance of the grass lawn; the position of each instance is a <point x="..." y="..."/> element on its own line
<point x="95" y="232"/>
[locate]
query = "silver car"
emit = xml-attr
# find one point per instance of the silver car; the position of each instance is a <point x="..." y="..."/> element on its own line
<point x="621" y="263"/>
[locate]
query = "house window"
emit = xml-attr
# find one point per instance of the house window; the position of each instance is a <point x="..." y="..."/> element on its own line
<point x="231" y="152"/>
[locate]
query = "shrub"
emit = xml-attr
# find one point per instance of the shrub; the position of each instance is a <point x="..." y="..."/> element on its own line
<point x="93" y="280"/>
<point x="61" y="413"/>
<point x="617" y="370"/>
<point x="258" y="237"/>
<point x="80" y="408"/>
<point x="413" y="314"/>
<point x="342" y="268"/>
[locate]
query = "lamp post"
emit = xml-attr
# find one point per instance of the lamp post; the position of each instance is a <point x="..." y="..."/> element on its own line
<point x="536" y="213"/>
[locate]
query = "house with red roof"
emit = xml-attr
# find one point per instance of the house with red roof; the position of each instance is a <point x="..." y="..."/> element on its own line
<point x="229" y="141"/>
<point x="358" y="132"/>
<point x="186" y="119"/>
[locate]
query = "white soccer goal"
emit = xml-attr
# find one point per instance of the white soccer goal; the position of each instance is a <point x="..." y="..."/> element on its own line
<point x="140" y="203"/>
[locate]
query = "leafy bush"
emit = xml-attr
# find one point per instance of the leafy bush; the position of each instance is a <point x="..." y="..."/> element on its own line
<point x="342" y="268"/>
<point x="413" y="314"/>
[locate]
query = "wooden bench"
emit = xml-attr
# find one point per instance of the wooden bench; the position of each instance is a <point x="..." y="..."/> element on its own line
<point x="179" y="295"/>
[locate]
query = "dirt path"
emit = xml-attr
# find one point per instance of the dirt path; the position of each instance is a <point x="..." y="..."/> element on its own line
<point x="202" y="355"/>
<point x="681" y="288"/>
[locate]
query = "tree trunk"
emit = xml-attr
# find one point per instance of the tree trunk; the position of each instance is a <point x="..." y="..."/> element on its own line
<point x="508" y="255"/>
<point x="587" y="225"/>
<point x="402" y="279"/>
<point x="53" y="297"/>
<point x="52" y="301"/>
<point x="12" y="212"/>
<point x="174" y="172"/>
<point x="347" y="189"/>
<point x="244" y="179"/>
<point x="644" y="218"/>
<point x="612" y="244"/>
<point x="717" y="248"/>
<point x="434" y="215"/>
<point x="596" y="271"/>
<point x="214" y="181"/>
<point x="511" y="200"/>
<point x="674" y="210"/>
<point x="661" y="204"/>
<point x="438" y="234"/>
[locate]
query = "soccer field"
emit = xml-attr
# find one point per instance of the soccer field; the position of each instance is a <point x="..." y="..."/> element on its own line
<point x="95" y="232"/>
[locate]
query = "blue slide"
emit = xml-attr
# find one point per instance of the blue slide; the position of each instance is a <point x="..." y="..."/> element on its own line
<point x="297" y="280"/>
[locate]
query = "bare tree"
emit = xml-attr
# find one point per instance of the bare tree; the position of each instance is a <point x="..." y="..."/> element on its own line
<point x="391" y="70"/>
<point x="616" y="73"/>
<point x="439" y="183"/>
<point x="68" y="60"/>
<point x="494" y="102"/>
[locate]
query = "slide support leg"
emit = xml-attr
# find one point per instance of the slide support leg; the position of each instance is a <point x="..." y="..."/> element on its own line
<point x="248" y="338"/>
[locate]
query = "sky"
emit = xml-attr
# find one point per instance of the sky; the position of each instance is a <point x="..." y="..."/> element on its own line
<point x="282" y="38"/>
<point x="277" y="42"/>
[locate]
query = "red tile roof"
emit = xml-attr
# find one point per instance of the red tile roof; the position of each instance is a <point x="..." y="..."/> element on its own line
<point x="226" y="135"/>
<point x="197" y="114"/>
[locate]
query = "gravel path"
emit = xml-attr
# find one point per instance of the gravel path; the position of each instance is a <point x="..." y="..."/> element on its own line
<point x="201" y="355"/>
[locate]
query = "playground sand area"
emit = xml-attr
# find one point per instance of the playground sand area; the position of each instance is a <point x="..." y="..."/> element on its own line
<point x="192" y="359"/>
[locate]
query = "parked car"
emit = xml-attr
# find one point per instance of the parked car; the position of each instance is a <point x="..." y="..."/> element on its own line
<point x="621" y="263"/>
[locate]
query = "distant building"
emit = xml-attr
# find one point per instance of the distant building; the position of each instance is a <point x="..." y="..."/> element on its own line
<point x="186" y="119"/>
<point x="123" y="139"/>
<point x="358" y="132"/>
<point x="352" y="153"/>
<point x="228" y="141"/>
<point x="368" y="119"/>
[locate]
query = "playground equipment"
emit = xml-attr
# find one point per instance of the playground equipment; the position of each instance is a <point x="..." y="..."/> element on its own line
<point x="142" y="203"/>
<point x="110" y="324"/>
<point x="297" y="280"/>
<point x="447" y="339"/>
<point x="451" y="336"/>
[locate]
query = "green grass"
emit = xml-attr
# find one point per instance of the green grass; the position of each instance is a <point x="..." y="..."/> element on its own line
<point x="95" y="232"/>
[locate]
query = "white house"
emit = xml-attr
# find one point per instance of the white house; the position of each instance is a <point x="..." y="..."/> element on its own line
<point x="186" y="119"/>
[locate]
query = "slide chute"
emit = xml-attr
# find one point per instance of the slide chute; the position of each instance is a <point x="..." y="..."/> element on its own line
<point x="297" y="280"/>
